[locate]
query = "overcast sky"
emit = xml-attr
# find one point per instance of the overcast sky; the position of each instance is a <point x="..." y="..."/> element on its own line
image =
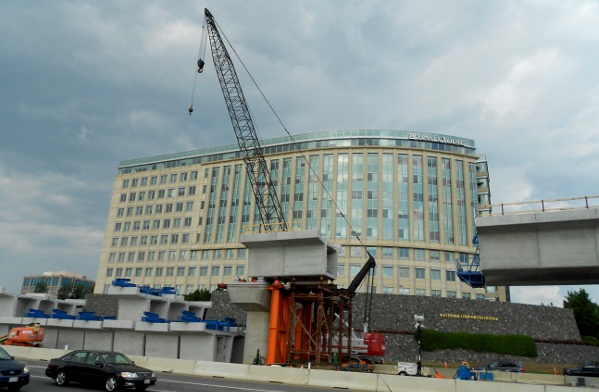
<point x="87" y="84"/>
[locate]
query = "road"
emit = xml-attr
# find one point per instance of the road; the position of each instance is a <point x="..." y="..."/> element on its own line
<point x="167" y="382"/>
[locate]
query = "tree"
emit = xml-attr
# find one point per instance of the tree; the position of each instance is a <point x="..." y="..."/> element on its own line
<point x="586" y="312"/>
<point x="41" y="287"/>
<point x="73" y="291"/>
<point x="198" y="295"/>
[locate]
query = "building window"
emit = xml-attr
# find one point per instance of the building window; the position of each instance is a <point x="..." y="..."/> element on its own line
<point x="128" y="272"/>
<point x="109" y="272"/>
<point x="435" y="274"/>
<point x="170" y="271"/>
<point x="465" y="295"/>
<point x="404" y="291"/>
<point x="451" y="294"/>
<point x="215" y="271"/>
<point x="404" y="272"/>
<point x="181" y="271"/>
<point x="340" y="269"/>
<point x="354" y="269"/>
<point x="148" y="271"/>
<point x="191" y="271"/>
<point x="420" y="292"/>
<point x="404" y="253"/>
<point x="450" y="276"/>
<point x="387" y="253"/>
<point x="159" y="271"/>
<point x="435" y="293"/>
<point x="387" y="290"/>
<point x="419" y="273"/>
<point x="240" y="270"/>
<point x="203" y="271"/>
<point x="387" y="271"/>
<point x="227" y="270"/>
<point x="419" y="254"/>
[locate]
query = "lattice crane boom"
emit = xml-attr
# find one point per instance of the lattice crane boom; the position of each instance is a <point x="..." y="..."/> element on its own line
<point x="257" y="169"/>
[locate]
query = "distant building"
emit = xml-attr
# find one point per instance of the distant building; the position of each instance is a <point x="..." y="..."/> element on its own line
<point x="408" y="198"/>
<point x="55" y="280"/>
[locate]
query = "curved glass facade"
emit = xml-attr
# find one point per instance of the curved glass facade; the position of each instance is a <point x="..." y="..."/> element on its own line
<point x="407" y="198"/>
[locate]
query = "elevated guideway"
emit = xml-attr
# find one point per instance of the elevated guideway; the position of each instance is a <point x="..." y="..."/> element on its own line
<point x="556" y="243"/>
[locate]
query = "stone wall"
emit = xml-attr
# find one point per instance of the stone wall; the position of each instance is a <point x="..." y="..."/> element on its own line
<point x="394" y="315"/>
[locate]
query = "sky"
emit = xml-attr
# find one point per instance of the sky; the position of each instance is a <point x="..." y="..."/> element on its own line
<point x="87" y="84"/>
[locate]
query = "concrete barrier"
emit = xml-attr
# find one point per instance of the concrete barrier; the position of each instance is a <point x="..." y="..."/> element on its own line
<point x="494" y="386"/>
<point x="415" y="384"/>
<point x="44" y="354"/>
<point x="343" y="379"/>
<point x="168" y="365"/>
<point x="275" y="374"/>
<point x="219" y="369"/>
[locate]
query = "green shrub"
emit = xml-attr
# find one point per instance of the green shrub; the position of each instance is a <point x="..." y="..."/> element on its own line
<point x="502" y="344"/>
<point x="591" y="339"/>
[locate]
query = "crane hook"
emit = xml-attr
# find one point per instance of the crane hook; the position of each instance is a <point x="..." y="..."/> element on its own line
<point x="200" y="65"/>
<point x="190" y="110"/>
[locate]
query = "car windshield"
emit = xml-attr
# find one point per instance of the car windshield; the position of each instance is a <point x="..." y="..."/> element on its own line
<point x="116" y="358"/>
<point x="4" y="354"/>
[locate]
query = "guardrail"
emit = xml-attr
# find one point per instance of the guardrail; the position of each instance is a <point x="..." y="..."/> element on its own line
<point x="521" y="207"/>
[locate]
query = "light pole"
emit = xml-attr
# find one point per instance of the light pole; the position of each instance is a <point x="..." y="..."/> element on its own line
<point x="419" y="319"/>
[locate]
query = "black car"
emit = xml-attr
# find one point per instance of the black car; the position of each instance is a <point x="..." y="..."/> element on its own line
<point x="588" y="369"/>
<point x="13" y="374"/>
<point x="502" y="366"/>
<point x="111" y="369"/>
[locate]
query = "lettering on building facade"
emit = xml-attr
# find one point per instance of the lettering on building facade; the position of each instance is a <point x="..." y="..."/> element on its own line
<point x="469" y="317"/>
<point x="435" y="139"/>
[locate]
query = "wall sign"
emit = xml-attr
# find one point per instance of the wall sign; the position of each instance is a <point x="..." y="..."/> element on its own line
<point x="435" y="139"/>
<point x="469" y="317"/>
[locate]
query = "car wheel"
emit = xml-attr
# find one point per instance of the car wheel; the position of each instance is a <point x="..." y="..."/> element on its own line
<point x="111" y="384"/>
<point x="61" y="378"/>
<point x="402" y="373"/>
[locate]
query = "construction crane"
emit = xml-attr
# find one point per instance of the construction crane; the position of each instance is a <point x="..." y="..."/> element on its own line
<point x="310" y="337"/>
<point x="264" y="190"/>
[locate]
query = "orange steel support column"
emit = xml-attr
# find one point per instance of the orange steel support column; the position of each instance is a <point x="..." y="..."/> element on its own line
<point x="279" y="319"/>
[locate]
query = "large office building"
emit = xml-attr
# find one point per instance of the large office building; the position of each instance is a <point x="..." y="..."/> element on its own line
<point x="52" y="282"/>
<point x="407" y="198"/>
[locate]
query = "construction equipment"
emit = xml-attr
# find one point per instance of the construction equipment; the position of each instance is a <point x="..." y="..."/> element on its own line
<point x="258" y="173"/>
<point x="302" y="313"/>
<point x="30" y="335"/>
<point x="470" y="272"/>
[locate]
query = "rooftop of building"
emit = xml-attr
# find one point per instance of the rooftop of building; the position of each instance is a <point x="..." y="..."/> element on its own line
<point x="323" y="139"/>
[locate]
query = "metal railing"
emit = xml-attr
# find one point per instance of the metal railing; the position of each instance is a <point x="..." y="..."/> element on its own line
<point x="570" y="203"/>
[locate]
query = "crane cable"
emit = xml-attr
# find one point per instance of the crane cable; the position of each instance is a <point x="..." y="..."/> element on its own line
<point x="200" y="65"/>
<point x="294" y="143"/>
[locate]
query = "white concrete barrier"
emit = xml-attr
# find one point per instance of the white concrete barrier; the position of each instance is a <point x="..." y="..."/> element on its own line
<point x="219" y="369"/>
<point x="283" y="375"/>
<point x="343" y="379"/>
<point x="169" y="365"/>
<point x="496" y="386"/>
<point x="397" y="383"/>
<point x="44" y="354"/>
